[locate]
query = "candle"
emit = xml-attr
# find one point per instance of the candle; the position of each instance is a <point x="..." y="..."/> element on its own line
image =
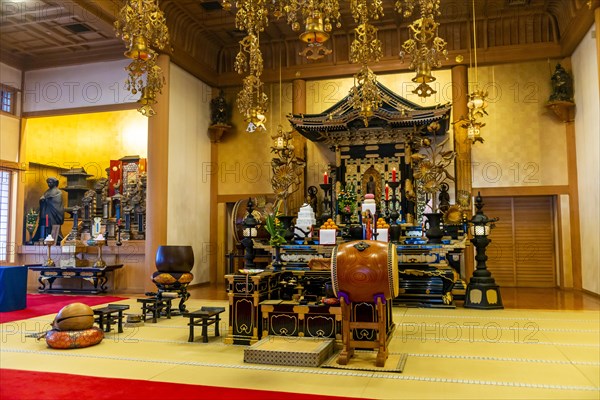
<point x="47" y="220"/>
<point x="118" y="211"/>
<point x="325" y="178"/>
<point x="387" y="192"/>
<point x="394" y="174"/>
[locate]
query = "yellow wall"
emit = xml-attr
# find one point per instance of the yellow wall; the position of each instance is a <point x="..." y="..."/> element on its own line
<point x="524" y="143"/>
<point x="86" y="140"/>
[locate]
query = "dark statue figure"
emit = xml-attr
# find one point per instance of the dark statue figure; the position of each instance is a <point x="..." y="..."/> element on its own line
<point x="52" y="211"/>
<point x="371" y="186"/>
<point x="444" y="198"/>
<point x="218" y="110"/>
<point x="311" y="199"/>
<point x="562" y="85"/>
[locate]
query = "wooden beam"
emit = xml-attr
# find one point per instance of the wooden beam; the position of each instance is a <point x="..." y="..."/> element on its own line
<point x="81" y="110"/>
<point x="521" y="191"/>
<point x="491" y="56"/>
<point x="578" y="26"/>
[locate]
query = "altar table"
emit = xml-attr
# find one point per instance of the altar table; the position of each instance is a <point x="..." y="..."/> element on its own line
<point x="91" y="274"/>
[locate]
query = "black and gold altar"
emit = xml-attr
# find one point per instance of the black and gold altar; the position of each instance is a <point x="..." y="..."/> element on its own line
<point x="482" y="290"/>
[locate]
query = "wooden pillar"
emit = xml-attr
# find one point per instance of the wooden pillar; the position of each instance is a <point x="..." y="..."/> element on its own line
<point x="158" y="175"/>
<point x="574" y="203"/>
<point x="299" y="107"/>
<point x="215" y="132"/>
<point x="597" y="25"/>
<point x="462" y="145"/>
<point x="299" y="96"/>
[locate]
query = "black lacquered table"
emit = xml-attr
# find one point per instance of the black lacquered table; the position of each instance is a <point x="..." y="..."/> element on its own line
<point x="96" y="276"/>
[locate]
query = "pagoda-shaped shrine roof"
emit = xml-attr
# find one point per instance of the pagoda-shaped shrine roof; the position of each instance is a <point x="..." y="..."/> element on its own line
<point x="341" y="124"/>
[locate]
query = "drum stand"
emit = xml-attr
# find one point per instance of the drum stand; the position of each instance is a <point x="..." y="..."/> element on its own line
<point x="348" y="327"/>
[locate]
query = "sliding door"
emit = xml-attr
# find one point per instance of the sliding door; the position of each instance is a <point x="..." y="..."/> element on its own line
<point x="522" y="252"/>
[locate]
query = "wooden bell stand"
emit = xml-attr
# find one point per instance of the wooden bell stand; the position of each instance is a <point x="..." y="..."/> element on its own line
<point x="349" y="325"/>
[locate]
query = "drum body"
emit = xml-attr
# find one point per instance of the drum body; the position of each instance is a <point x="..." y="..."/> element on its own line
<point x="365" y="269"/>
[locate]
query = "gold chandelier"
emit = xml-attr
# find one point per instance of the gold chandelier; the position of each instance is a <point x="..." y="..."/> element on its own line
<point x="425" y="47"/>
<point x="319" y="18"/>
<point x="477" y="99"/>
<point x="142" y="26"/>
<point x="365" y="48"/>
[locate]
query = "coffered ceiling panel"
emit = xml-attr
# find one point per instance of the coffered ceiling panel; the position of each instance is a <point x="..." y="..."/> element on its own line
<point x="44" y="33"/>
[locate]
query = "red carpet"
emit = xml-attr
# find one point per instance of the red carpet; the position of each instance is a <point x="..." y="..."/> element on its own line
<point x="49" y="385"/>
<point x="42" y="304"/>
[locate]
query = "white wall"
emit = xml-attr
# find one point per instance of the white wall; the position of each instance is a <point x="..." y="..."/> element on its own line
<point x="84" y="85"/>
<point x="587" y="131"/>
<point x="10" y="76"/>
<point x="189" y="156"/>
<point x="10" y="125"/>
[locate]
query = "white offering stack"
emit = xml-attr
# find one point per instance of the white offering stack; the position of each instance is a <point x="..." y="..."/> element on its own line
<point x="305" y="221"/>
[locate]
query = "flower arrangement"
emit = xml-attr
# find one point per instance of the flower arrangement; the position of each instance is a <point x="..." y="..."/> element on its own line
<point x="31" y="219"/>
<point x="275" y="229"/>
<point x="346" y="200"/>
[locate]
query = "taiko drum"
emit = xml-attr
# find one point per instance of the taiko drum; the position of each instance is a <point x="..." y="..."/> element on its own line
<point x="364" y="269"/>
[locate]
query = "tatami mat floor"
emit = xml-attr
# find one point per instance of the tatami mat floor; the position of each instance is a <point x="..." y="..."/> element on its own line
<point x="456" y="353"/>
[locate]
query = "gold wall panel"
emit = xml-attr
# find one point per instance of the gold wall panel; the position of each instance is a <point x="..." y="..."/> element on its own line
<point x="524" y="144"/>
<point x="245" y="158"/>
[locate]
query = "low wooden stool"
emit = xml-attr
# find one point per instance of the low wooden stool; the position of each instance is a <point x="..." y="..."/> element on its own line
<point x="155" y="306"/>
<point x="204" y="317"/>
<point x="106" y="315"/>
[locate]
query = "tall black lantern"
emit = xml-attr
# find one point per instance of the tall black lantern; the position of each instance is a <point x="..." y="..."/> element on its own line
<point x="249" y="223"/>
<point x="482" y="290"/>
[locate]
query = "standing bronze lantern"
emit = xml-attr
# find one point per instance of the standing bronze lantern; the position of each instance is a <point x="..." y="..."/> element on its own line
<point x="482" y="290"/>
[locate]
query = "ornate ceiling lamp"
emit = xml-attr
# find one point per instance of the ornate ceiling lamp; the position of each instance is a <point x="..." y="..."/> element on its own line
<point x="366" y="48"/>
<point x="425" y="47"/>
<point x="251" y="17"/>
<point x="142" y="26"/>
<point x="477" y="99"/>
<point x="154" y="84"/>
<point x="320" y="17"/>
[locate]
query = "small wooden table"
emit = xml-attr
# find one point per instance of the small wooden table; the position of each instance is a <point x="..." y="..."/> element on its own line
<point x="155" y="306"/>
<point x="106" y="315"/>
<point x="91" y="274"/>
<point x="204" y="317"/>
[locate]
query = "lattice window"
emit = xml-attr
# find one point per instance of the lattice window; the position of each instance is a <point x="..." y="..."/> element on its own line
<point x="8" y="99"/>
<point x="5" y="177"/>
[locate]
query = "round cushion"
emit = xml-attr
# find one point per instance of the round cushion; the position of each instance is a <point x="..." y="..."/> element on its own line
<point x="74" y="317"/>
<point x="74" y="339"/>
<point x="171" y="278"/>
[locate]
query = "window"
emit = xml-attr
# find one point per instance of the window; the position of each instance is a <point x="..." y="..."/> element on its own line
<point x="8" y="99"/>
<point x="4" y="208"/>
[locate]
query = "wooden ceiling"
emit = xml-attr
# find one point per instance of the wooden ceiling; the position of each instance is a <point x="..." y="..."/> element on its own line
<point x="47" y="33"/>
